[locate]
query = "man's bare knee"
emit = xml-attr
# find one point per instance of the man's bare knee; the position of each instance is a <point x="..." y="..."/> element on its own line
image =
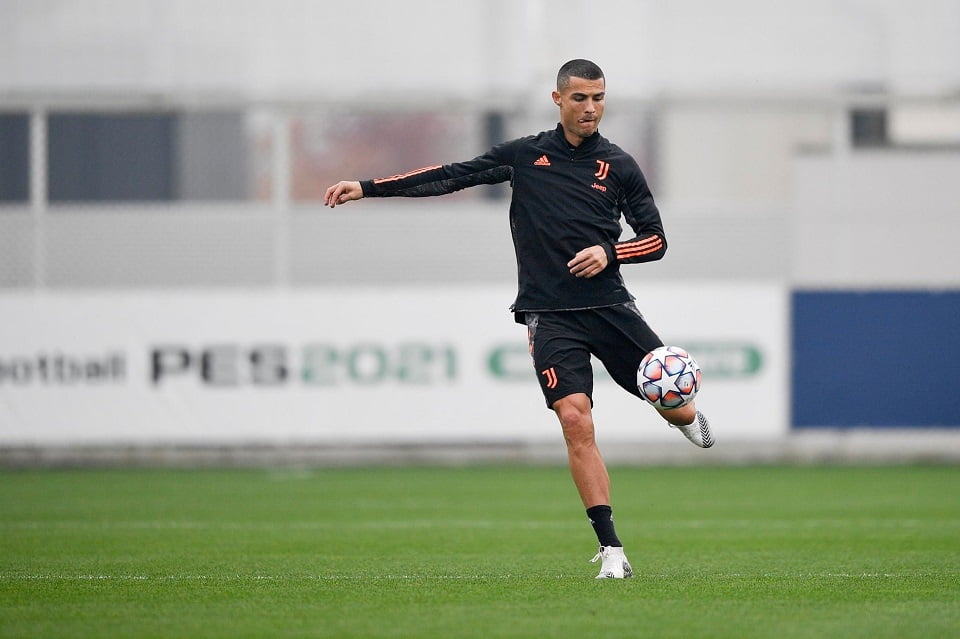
<point x="576" y="420"/>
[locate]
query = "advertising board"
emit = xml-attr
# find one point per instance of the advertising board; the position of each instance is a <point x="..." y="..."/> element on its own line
<point x="325" y="365"/>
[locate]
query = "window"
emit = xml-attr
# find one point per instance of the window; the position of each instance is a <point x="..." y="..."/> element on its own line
<point x="14" y="158"/>
<point x="144" y="157"/>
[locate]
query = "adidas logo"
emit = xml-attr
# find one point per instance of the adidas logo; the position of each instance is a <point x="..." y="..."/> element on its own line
<point x="542" y="161"/>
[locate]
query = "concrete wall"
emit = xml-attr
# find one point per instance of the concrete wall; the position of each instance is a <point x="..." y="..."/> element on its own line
<point x="876" y="219"/>
<point x="500" y="50"/>
<point x="861" y="219"/>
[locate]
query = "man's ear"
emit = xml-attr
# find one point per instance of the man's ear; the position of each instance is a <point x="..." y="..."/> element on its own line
<point x="556" y="98"/>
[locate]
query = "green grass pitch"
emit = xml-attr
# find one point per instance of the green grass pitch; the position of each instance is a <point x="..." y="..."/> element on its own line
<point x="487" y="552"/>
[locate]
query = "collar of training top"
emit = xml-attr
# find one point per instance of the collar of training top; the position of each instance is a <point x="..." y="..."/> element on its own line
<point x="587" y="145"/>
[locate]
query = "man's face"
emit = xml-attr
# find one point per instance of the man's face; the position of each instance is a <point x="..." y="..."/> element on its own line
<point x="581" y="107"/>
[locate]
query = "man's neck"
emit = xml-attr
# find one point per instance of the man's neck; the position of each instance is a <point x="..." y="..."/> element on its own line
<point x="572" y="140"/>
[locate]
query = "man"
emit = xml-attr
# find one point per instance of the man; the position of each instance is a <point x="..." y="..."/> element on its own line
<point x="570" y="187"/>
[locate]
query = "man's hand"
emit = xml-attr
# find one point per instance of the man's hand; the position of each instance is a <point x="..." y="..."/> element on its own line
<point x="341" y="193"/>
<point x="588" y="262"/>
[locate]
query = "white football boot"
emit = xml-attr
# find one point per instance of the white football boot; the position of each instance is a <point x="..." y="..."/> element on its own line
<point x="615" y="564"/>
<point x="698" y="431"/>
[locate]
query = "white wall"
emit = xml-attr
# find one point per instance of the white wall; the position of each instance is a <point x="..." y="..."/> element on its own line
<point x="876" y="219"/>
<point x="737" y="153"/>
<point x="499" y="50"/>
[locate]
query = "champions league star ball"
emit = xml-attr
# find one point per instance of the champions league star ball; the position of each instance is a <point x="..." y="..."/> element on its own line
<point x="668" y="377"/>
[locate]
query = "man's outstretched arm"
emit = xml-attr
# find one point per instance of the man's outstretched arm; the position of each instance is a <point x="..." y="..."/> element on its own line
<point x="492" y="167"/>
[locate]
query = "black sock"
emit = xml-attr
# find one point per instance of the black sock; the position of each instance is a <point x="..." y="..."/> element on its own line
<point x="601" y="518"/>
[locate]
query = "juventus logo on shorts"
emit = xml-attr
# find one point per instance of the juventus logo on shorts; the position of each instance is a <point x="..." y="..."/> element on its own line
<point x="551" y="376"/>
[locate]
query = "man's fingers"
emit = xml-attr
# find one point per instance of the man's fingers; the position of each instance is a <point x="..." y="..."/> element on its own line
<point x="579" y="259"/>
<point x="337" y="197"/>
<point x="582" y="266"/>
<point x="331" y="196"/>
<point x="341" y="193"/>
<point x="335" y="194"/>
<point x="588" y="262"/>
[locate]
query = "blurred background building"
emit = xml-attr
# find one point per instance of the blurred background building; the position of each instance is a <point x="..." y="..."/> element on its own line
<point x="151" y="145"/>
<point x="189" y="143"/>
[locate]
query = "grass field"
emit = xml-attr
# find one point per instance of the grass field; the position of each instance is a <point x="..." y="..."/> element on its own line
<point x="479" y="552"/>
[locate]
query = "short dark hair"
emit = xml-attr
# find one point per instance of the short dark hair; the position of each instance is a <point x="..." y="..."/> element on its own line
<point x="577" y="69"/>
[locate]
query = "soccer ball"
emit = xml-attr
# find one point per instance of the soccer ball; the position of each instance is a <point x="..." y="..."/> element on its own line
<point x="668" y="377"/>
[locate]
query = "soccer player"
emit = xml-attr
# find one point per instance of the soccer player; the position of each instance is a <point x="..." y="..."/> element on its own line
<point x="570" y="188"/>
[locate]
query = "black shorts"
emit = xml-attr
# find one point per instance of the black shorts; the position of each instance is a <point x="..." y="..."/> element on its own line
<point x="561" y="343"/>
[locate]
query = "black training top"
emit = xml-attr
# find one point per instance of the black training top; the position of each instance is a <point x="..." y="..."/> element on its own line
<point x="565" y="199"/>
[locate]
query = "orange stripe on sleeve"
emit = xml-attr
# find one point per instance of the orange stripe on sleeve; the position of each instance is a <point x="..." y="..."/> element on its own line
<point x="636" y="249"/>
<point x="640" y="243"/>
<point x="400" y="176"/>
